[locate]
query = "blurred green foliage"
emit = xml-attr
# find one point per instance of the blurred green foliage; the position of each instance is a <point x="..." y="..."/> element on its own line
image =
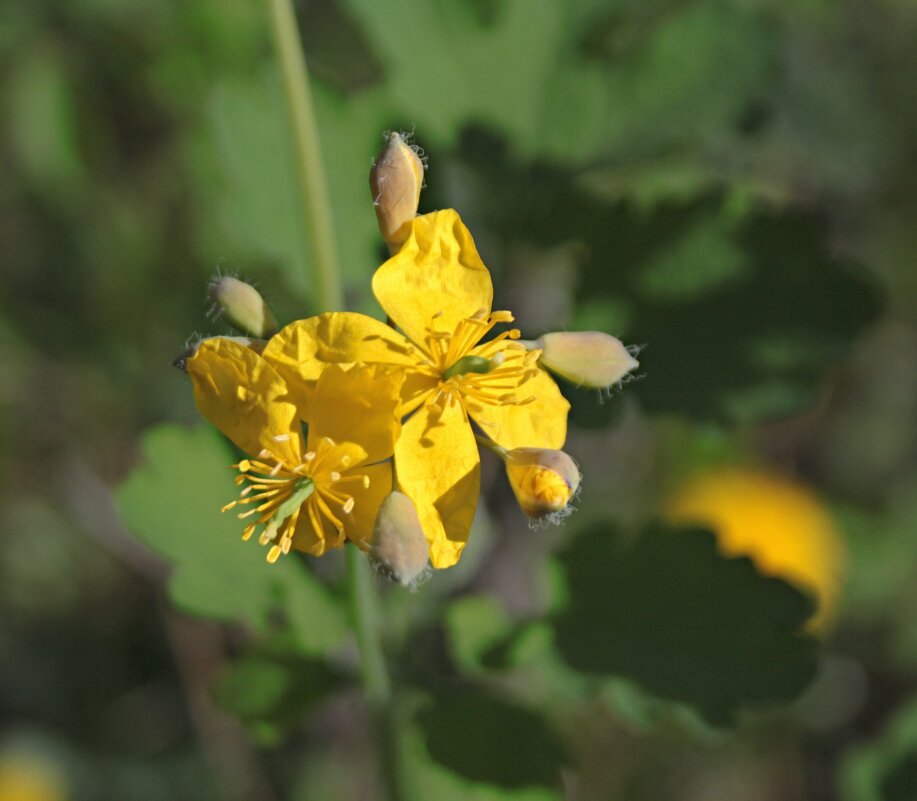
<point x="730" y="183"/>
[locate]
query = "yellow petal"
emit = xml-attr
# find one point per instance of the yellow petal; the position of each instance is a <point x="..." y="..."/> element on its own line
<point x="360" y="405"/>
<point x="367" y="500"/>
<point x="301" y="350"/>
<point x="437" y="271"/>
<point x="244" y="397"/>
<point x="540" y="423"/>
<point x="438" y="468"/>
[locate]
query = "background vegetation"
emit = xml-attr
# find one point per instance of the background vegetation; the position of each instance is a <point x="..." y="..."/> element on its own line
<point x="731" y="183"/>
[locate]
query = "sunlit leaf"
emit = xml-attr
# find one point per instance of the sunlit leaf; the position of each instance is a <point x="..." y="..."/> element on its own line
<point x="172" y="503"/>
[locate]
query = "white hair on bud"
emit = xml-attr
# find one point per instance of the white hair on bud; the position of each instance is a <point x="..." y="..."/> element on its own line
<point x="559" y="517"/>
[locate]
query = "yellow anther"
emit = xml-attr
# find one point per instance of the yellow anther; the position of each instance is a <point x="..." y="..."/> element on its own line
<point x="365" y="482"/>
<point x="229" y="506"/>
<point x="348" y="505"/>
<point x="309" y="456"/>
<point x="335" y="475"/>
<point x="281" y="438"/>
<point x="264" y="538"/>
<point x="274" y="554"/>
<point x="286" y="544"/>
<point x="247" y="534"/>
<point x="244" y="466"/>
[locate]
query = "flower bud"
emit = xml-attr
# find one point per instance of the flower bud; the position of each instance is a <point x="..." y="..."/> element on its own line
<point x="544" y="481"/>
<point x="588" y="358"/>
<point x="242" y="306"/>
<point x="398" y="548"/>
<point x="396" y="179"/>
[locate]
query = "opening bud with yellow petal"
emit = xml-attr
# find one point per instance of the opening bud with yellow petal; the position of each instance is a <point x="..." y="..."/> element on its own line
<point x="396" y="179"/>
<point x="242" y="306"/>
<point x="543" y="480"/>
<point x="588" y="358"/>
<point x="398" y="548"/>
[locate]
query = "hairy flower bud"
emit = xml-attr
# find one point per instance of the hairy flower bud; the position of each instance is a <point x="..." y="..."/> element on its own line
<point x="396" y="179"/>
<point x="398" y="548"/>
<point x="242" y="306"/>
<point x="588" y="358"/>
<point x="544" y="481"/>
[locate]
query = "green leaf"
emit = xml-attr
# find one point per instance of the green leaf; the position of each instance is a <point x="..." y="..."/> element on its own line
<point x="272" y="689"/>
<point x="686" y="74"/>
<point x="669" y="612"/>
<point x="490" y="740"/>
<point x="742" y="310"/>
<point x="172" y="503"/>
<point x="43" y="119"/>
<point x="886" y="768"/>
<point x="474" y="624"/>
<point x="261" y="201"/>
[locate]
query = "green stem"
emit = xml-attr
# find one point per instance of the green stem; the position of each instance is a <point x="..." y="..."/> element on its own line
<point x="376" y="683"/>
<point x="319" y="224"/>
<point x="314" y="187"/>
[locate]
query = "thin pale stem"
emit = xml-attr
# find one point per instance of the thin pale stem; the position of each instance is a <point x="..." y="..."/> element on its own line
<point x="313" y="185"/>
<point x="484" y="442"/>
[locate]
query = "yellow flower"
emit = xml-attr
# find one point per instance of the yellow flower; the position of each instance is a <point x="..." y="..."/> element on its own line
<point x="29" y="778"/>
<point x="781" y="525"/>
<point x="439" y="293"/>
<point x="310" y="492"/>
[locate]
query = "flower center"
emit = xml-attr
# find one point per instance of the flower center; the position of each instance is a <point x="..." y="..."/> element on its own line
<point x="281" y="495"/>
<point x="469" y="364"/>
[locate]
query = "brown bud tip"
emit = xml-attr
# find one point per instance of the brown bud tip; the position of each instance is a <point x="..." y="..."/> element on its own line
<point x="395" y="180"/>
<point x="398" y="548"/>
<point x="588" y="358"/>
<point x="242" y="306"/>
<point x="544" y="481"/>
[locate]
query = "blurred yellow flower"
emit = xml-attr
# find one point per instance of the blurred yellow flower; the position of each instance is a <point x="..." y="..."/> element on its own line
<point x="310" y="492"/>
<point x="439" y="293"/>
<point x="24" y="778"/>
<point x="781" y="525"/>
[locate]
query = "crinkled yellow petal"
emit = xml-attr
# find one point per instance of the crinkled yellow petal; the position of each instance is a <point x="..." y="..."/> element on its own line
<point x="367" y="500"/>
<point x="540" y="423"/>
<point x="244" y="397"/>
<point x="358" y="404"/>
<point x="437" y="271"/>
<point x="300" y="351"/>
<point x="438" y="468"/>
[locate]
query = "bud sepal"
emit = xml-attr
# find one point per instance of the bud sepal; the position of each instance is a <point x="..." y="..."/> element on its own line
<point x="587" y="358"/>
<point x="242" y="306"/>
<point x="397" y="547"/>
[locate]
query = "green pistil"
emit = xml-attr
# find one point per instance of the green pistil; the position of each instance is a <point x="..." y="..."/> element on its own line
<point x="302" y="489"/>
<point x="469" y="364"/>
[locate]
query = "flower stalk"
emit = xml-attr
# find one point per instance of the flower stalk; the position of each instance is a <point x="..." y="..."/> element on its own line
<point x="310" y="170"/>
<point x="320" y="227"/>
